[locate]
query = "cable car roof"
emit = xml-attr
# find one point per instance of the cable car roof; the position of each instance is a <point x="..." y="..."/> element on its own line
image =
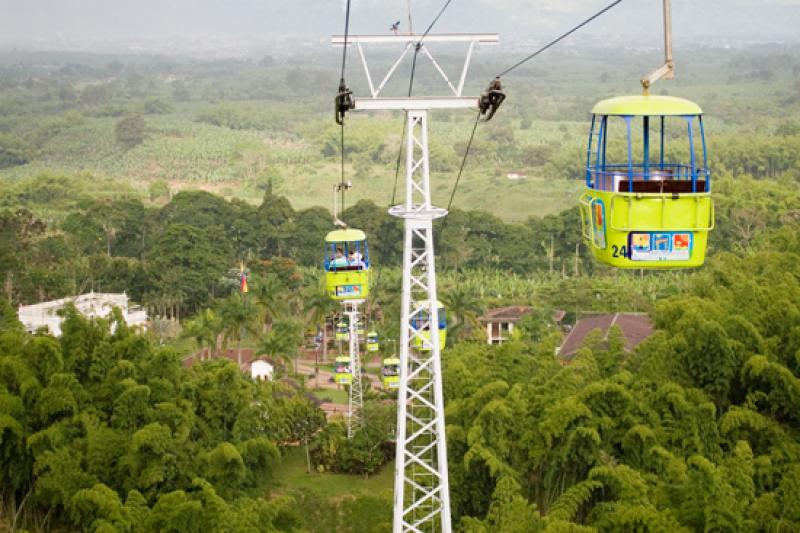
<point x="345" y="235"/>
<point x="647" y="106"/>
<point x="343" y="359"/>
<point x="391" y="361"/>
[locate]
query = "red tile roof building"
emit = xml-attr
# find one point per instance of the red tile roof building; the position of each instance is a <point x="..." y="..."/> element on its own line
<point x="635" y="327"/>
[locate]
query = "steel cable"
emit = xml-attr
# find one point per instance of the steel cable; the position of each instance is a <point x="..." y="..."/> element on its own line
<point x="559" y="39"/>
<point x="417" y="47"/>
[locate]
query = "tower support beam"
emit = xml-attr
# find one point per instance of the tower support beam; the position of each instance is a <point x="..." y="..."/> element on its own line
<point x="421" y="491"/>
<point x="355" y="400"/>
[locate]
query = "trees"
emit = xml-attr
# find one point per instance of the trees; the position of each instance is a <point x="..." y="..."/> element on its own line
<point x="678" y="436"/>
<point x="13" y="151"/>
<point x="130" y="131"/>
<point x="463" y="308"/>
<point x="187" y="262"/>
<point x="271" y="300"/>
<point x="282" y="341"/>
<point x="319" y="307"/>
<point x="205" y="328"/>
<point x="238" y="314"/>
<point x="121" y="437"/>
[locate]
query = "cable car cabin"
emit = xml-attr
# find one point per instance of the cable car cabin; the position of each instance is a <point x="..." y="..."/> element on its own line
<point x="647" y="202"/>
<point x="341" y="369"/>
<point x="422" y="324"/>
<point x="390" y="373"/>
<point x="342" y="331"/>
<point x="347" y="264"/>
<point x="372" y="342"/>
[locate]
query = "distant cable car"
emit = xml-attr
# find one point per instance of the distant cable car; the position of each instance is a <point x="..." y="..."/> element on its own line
<point x="390" y="373"/>
<point x="347" y="264"/>
<point x="647" y="202"/>
<point x="342" y="331"/>
<point x="342" y="372"/>
<point x="421" y="323"/>
<point x="372" y="342"/>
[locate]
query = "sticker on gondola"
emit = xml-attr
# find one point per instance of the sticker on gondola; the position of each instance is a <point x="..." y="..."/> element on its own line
<point x="348" y="290"/>
<point x="660" y="246"/>
<point x="599" y="223"/>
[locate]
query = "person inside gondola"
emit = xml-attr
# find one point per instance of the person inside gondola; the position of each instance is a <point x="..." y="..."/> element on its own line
<point x="340" y="260"/>
<point x="355" y="259"/>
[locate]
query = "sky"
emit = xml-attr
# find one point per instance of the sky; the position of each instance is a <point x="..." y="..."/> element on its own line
<point x="51" y="21"/>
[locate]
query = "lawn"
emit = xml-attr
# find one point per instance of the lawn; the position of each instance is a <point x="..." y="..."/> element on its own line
<point x="336" y="395"/>
<point x="291" y="474"/>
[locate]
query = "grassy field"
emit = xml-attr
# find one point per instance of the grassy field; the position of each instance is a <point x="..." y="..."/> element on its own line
<point x="291" y="474"/>
<point x="339" y="396"/>
<point x="234" y="144"/>
<point x="192" y="155"/>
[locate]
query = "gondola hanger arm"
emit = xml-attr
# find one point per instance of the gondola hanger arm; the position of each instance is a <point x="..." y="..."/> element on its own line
<point x="667" y="70"/>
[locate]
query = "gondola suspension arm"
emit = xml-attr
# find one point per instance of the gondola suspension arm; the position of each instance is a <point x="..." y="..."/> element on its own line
<point x="667" y="70"/>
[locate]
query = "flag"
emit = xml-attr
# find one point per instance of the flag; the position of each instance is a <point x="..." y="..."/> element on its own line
<point x="242" y="279"/>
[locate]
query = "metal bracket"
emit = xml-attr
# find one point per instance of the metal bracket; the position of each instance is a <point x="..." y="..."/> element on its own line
<point x="667" y="70"/>
<point x="415" y="43"/>
<point x="491" y="99"/>
<point x="343" y="102"/>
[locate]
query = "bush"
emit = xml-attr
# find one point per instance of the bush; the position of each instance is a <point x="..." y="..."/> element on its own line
<point x="130" y="131"/>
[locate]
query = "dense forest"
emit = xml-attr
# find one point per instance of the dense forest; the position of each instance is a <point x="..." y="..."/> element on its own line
<point x="695" y="430"/>
<point x="160" y="176"/>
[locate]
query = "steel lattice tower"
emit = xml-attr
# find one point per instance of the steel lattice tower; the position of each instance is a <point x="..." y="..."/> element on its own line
<point x="421" y="487"/>
<point x="355" y="401"/>
<point x="421" y="490"/>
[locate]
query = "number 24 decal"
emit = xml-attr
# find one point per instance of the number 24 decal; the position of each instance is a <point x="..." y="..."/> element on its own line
<point x="618" y="251"/>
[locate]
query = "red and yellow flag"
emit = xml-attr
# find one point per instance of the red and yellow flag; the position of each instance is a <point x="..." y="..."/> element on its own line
<point x="242" y="279"/>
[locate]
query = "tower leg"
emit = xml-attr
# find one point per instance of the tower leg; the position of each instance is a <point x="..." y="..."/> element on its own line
<point x="355" y="401"/>
<point x="422" y="495"/>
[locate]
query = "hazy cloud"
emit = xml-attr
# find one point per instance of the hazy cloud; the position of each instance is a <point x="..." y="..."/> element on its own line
<point x="26" y="20"/>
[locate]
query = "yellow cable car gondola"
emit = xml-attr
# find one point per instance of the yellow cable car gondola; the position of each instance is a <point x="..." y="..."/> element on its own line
<point x="390" y="373"/>
<point x="342" y="372"/>
<point x="653" y="208"/>
<point x="372" y="342"/>
<point x="347" y="264"/>
<point x="421" y="323"/>
<point x="342" y="331"/>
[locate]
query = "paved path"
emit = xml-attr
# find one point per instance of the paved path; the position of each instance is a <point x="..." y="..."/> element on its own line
<point x="324" y="378"/>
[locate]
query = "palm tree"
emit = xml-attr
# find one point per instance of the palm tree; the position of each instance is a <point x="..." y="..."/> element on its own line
<point x="318" y="306"/>
<point x="271" y="300"/>
<point x="205" y="328"/>
<point x="238" y="316"/>
<point x="463" y="308"/>
<point x="282" y="341"/>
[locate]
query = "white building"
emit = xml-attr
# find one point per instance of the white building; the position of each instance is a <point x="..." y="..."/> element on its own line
<point x="92" y="305"/>
<point x="261" y="370"/>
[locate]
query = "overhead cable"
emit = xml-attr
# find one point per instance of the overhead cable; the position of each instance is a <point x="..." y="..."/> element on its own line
<point x="417" y="47"/>
<point x="560" y="38"/>
<point x="344" y="97"/>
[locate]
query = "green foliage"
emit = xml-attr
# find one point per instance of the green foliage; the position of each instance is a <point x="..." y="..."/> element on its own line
<point x="694" y="431"/>
<point x="13" y="151"/>
<point x="130" y="131"/>
<point x="93" y="416"/>
<point x="364" y="453"/>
